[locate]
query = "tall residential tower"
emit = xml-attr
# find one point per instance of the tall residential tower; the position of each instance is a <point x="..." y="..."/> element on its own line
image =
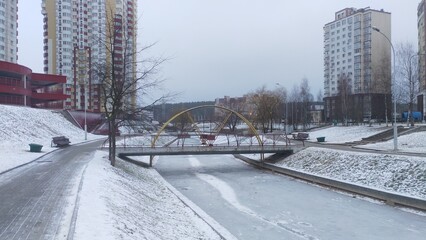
<point x="357" y="65"/>
<point x="75" y="40"/>
<point x="9" y="31"/>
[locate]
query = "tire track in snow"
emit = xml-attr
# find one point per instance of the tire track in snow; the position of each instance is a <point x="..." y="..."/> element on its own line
<point x="228" y="194"/>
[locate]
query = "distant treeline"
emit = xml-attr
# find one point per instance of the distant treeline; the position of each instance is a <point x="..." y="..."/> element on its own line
<point x="163" y="112"/>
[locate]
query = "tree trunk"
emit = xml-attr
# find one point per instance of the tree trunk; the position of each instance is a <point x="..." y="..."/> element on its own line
<point x="109" y="140"/>
<point x="112" y="146"/>
<point x="411" y="115"/>
<point x="386" y="110"/>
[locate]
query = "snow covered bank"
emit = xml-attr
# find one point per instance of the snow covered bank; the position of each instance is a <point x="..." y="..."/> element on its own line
<point x="343" y="134"/>
<point x="414" y="142"/>
<point x="21" y="126"/>
<point x="129" y="202"/>
<point x="402" y="174"/>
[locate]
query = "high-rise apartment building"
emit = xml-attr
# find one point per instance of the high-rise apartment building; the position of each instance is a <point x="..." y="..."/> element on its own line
<point x="357" y="64"/>
<point x="421" y="27"/>
<point x="9" y="31"/>
<point x="75" y="41"/>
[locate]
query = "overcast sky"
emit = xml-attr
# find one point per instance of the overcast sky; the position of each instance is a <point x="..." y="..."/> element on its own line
<point x="231" y="47"/>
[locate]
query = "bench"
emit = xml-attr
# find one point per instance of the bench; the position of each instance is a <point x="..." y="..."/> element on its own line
<point x="300" y="136"/>
<point x="60" y="141"/>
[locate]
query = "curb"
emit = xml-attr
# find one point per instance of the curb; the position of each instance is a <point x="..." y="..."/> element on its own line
<point x="76" y="203"/>
<point x="388" y="197"/>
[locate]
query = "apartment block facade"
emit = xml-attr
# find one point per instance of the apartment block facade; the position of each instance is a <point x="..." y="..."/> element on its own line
<point x="421" y="27"/>
<point x="75" y="43"/>
<point x="9" y="31"/>
<point x="357" y="65"/>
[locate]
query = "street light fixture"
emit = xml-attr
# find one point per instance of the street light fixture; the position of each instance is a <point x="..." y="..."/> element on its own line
<point x="395" y="130"/>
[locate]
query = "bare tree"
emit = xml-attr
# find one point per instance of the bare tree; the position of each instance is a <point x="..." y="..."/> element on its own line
<point x="407" y="76"/>
<point x="306" y="98"/>
<point x="344" y="91"/>
<point x="183" y="122"/>
<point x="320" y="96"/>
<point x="266" y="104"/>
<point x="283" y="110"/>
<point x="232" y="120"/>
<point x="382" y="83"/>
<point x="295" y="102"/>
<point x="123" y="77"/>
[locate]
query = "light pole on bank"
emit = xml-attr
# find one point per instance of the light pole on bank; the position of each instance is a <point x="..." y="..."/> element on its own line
<point x="393" y="89"/>
<point x="85" y="112"/>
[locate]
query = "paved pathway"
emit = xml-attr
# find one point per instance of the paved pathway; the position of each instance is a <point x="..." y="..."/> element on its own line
<point x="37" y="200"/>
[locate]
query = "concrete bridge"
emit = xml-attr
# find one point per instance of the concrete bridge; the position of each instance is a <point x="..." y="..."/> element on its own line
<point x="204" y="150"/>
<point x="207" y="140"/>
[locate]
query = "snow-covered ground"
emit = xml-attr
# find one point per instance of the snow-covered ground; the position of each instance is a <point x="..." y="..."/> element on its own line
<point x="414" y="143"/>
<point x="128" y="202"/>
<point x="21" y="126"/>
<point x="397" y="173"/>
<point x="343" y="134"/>
<point x="402" y="174"/>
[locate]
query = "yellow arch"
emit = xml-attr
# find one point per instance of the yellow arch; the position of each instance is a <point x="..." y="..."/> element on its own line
<point x="251" y="127"/>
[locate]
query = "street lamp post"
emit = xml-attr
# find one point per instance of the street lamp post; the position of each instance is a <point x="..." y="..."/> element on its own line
<point x="395" y="130"/>
<point x="85" y="112"/>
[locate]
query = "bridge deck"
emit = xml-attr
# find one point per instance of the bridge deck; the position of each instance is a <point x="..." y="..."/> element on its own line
<point x="202" y="150"/>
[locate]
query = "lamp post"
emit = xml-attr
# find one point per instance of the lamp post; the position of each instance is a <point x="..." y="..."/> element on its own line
<point x="85" y="112"/>
<point x="395" y="130"/>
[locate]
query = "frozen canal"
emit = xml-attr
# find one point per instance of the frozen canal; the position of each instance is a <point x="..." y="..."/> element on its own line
<point x="253" y="204"/>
